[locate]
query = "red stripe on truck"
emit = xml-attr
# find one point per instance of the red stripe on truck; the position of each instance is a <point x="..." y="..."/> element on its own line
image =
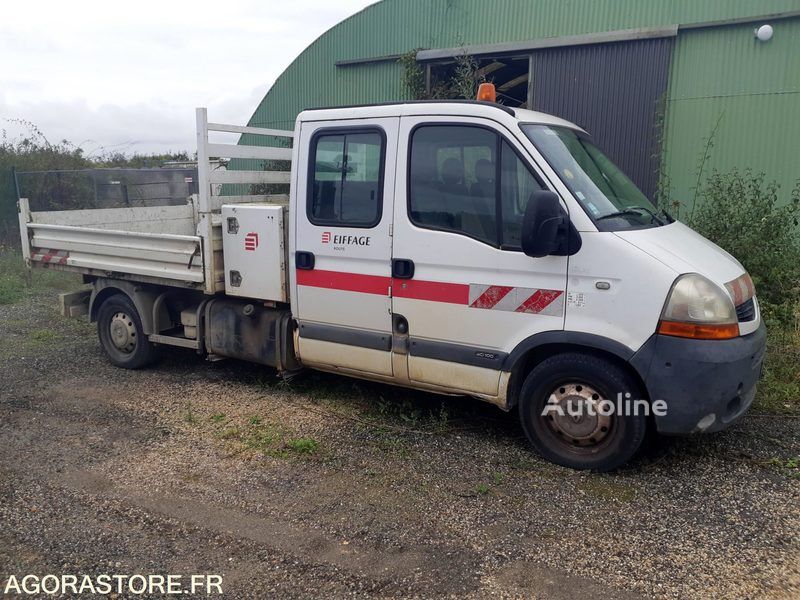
<point x="349" y="282"/>
<point x="415" y="289"/>
<point x="436" y="291"/>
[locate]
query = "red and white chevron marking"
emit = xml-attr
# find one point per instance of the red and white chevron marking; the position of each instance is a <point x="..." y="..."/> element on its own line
<point x="58" y="257"/>
<point x="517" y="299"/>
<point x="741" y="289"/>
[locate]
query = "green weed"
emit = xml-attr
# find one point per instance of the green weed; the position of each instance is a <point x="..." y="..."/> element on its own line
<point x="43" y="336"/>
<point x="189" y="416"/>
<point x="303" y="445"/>
<point x="779" y="388"/>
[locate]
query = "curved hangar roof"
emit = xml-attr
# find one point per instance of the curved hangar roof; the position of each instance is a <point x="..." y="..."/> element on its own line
<point x="355" y="62"/>
<point x="631" y="67"/>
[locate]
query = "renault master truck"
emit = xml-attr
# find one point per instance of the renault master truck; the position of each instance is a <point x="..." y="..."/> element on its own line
<point x="460" y="247"/>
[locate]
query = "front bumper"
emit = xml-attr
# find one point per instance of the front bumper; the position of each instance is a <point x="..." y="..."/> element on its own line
<point x="706" y="384"/>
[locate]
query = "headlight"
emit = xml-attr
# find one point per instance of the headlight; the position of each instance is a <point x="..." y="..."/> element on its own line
<point x="698" y="308"/>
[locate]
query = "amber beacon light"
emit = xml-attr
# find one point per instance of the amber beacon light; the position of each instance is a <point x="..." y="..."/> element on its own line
<point x="487" y="93"/>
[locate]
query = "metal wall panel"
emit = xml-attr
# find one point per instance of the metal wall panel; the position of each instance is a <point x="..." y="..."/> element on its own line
<point x="746" y="93"/>
<point x="613" y="91"/>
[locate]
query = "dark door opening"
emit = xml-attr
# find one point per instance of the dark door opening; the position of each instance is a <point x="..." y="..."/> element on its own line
<point x="510" y="76"/>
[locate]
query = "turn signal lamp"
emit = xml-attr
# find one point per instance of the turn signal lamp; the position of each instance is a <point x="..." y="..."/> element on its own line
<point x="487" y="93"/>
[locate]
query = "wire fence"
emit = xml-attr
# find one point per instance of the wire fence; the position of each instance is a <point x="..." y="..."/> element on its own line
<point x="106" y="188"/>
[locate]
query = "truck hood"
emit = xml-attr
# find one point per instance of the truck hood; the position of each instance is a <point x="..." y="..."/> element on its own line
<point x="685" y="251"/>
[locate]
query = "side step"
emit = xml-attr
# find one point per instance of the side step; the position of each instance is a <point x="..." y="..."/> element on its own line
<point x="169" y="340"/>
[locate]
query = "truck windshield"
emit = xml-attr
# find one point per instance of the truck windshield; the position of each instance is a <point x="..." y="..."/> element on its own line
<point x="611" y="199"/>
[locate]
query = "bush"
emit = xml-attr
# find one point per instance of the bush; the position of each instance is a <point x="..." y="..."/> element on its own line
<point x="461" y="81"/>
<point x="741" y="212"/>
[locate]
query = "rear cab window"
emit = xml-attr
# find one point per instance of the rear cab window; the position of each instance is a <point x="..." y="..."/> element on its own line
<point x="345" y="185"/>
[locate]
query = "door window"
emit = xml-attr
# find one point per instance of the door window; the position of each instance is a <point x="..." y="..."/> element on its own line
<point x="346" y="178"/>
<point x="466" y="180"/>
<point x="517" y="183"/>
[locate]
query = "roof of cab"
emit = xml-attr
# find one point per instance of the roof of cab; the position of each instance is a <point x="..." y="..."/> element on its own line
<point x="472" y="108"/>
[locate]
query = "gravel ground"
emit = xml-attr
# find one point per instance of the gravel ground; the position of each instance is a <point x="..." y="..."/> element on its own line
<point x="329" y="487"/>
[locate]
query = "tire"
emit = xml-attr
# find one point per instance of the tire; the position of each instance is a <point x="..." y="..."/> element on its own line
<point x="121" y="334"/>
<point x="598" y="443"/>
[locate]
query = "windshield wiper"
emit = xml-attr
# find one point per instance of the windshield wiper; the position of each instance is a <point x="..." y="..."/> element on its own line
<point x="635" y="211"/>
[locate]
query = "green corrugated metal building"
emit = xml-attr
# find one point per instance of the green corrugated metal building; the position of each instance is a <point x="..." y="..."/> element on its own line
<point x="651" y="79"/>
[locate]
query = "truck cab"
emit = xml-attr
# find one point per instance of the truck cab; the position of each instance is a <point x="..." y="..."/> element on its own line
<point x="468" y="248"/>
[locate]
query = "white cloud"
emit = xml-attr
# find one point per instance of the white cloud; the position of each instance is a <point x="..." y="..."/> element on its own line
<point x="128" y="76"/>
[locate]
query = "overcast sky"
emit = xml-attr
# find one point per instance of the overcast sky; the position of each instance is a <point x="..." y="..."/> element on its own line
<point x="128" y="75"/>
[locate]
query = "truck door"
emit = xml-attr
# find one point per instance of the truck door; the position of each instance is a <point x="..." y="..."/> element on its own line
<point x="341" y="267"/>
<point x="462" y="288"/>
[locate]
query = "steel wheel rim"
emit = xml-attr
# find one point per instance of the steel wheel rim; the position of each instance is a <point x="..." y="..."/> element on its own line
<point x="122" y="332"/>
<point x="573" y="415"/>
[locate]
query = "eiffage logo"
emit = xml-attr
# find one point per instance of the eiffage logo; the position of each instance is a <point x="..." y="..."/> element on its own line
<point x="251" y="241"/>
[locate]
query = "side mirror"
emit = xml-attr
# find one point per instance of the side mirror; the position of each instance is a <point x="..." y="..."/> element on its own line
<point x="544" y="226"/>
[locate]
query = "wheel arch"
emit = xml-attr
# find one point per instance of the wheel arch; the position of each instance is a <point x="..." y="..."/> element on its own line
<point x="143" y="299"/>
<point x="533" y="350"/>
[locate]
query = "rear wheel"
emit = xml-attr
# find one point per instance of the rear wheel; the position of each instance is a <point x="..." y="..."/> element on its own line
<point x="564" y="408"/>
<point x="121" y="334"/>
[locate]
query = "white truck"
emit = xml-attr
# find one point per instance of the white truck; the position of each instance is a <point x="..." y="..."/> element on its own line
<point x="460" y="247"/>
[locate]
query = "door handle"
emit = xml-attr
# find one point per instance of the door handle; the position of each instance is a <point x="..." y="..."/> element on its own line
<point x="304" y="260"/>
<point x="402" y="268"/>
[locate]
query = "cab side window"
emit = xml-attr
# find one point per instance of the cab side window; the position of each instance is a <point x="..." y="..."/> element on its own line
<point x="467" y="180"/>
<point x="346" y="178"/>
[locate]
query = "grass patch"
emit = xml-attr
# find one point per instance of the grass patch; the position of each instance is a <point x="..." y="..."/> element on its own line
<point x="11" y="289"/>
<point x="789" y="463"/>
<point x="303" y="445"/>
<point x="269" y="439"/>
<point x="17" y="281"/>
<point x="43" y="336"/>
<point x="789" y="467"/>
<point x="230" y="433"/>
<point x="779" y="389"/>
<point x="264" y="438"/>
<point x="608" y="489"/>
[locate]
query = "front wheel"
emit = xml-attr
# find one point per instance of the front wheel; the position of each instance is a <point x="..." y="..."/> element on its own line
<point x="121" y="334"/>
<point x="569" y="407"/>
